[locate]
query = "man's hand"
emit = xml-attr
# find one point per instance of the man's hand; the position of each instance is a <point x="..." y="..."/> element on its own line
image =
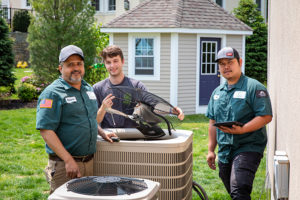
<point x="233" y="130"/>
<point x="107" y="102"/>
<point x="210" y="159"/>
<point x="179" y="113"/>
<point x="107" y="135"/>
<point x="72" y="169"/>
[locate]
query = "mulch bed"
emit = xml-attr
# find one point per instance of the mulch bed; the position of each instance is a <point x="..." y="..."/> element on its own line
<point x="15" y="104"/>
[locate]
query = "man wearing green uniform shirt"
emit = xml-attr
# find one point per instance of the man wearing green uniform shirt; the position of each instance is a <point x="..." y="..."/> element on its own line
<point x="66" y="118"/>
<point x="241" y="148"/>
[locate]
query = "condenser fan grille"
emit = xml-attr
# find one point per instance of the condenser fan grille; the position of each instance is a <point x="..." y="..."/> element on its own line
<point x="106" y="185"/>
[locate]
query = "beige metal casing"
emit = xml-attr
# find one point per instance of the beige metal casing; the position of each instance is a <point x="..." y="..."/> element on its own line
<point x="168" y="161"/>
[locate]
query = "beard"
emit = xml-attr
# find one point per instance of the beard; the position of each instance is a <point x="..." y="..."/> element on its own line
<point x="73" y="79"/>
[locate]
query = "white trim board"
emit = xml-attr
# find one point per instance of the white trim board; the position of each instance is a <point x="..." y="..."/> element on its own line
<point x="174" y="30"/>
<point x="174" y="70"/>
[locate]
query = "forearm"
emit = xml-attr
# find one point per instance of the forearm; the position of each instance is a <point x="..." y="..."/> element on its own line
<point x="55" y="144"/>
<point x="256" y="123"/>
<point x="212" y="136"/>
<point x="100" y="114"/>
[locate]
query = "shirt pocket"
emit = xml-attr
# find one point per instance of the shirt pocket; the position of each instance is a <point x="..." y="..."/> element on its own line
<point x="240" y="108"/>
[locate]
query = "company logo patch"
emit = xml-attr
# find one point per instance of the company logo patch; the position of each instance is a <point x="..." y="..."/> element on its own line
<point x="239" y="95"/>
<point x="229" y="54"/>
<point x="261" y="93"/>
<point x="91" y="95"/>
<point x="46" y="103"/>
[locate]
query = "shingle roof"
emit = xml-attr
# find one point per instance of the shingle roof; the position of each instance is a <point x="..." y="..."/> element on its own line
<point x="194" y="14"/>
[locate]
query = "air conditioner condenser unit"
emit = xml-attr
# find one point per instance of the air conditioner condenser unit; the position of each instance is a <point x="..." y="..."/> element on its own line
<point x="167" y="160"/>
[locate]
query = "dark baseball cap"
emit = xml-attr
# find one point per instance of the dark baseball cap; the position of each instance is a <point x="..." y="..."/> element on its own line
<point x="228" y="52"/>
<point x="69" y="50"/>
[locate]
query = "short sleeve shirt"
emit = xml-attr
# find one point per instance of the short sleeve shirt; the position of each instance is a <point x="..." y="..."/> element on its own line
<point x="102" y="89"/>
<point x="71" y="114"/>
<point x="244" y="101"/>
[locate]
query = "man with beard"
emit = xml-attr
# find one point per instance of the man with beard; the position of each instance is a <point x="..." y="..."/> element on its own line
<point x="66" y="118"/>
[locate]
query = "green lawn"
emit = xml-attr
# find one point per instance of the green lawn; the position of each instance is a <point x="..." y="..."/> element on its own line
<point x="23" y="159"/>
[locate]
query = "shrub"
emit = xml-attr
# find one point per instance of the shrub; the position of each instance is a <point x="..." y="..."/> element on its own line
<point x="21" y="21"/>
<point x="96" y="73"/>
<point x="7" y="79"/>
<point x="27" y="92"/>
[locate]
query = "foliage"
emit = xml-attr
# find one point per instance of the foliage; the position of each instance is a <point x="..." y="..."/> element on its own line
<point x="21" y="21"/>
<point x="55" y="25"/>
<point x="7" y="78"/>
<point x="27" y="92"/>
<point x="21" y="145"/>
<point x="97" y="71"/>
<point x="256" y="44"/>
<point x="30" y="88"/>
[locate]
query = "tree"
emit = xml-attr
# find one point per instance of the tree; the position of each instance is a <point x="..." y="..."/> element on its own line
<point x="256" y="44"/>
<point x="7" y="78"/>
<point x="56" y="24"/>
<point x="21" y="21"/>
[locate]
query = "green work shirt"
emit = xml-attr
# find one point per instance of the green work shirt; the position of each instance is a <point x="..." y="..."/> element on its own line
<point x="71" y="114"/>
<point x="246" y="100"/>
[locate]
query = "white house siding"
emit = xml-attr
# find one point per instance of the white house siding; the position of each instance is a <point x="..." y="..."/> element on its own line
<point x="162" y="86"/>
<point x="121" y="40"/>
<point x="284" y="89"/>
<point x="187" y="64"/>
<point x="235" y="41"/>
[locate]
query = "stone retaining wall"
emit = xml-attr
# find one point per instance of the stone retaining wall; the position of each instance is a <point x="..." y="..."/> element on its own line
<point x="20" y="46"/>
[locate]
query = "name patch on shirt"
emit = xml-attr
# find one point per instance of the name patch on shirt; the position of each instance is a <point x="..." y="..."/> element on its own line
<point x="239" y="95"/>
<point x="216" y="97"/>
<point x="91" y="94"/>
<point x="261" y="93"/>
<point x="71" y="99"/>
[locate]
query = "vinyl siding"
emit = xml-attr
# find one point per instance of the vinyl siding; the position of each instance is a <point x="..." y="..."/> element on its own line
<point x="121" y="40"/>
<point x="187" y="63"/>
<point x="235" y="41"/>
<point x="162" y="86"/>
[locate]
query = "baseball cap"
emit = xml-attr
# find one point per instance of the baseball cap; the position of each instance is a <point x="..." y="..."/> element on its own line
<point x="69" y="50"/>
<point x="228" y="52"/>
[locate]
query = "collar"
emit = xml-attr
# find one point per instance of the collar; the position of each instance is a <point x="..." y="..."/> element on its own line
<point x="239" y="84"/>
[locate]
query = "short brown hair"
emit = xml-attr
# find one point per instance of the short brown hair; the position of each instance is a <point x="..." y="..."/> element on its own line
<point x="112" y="51"/>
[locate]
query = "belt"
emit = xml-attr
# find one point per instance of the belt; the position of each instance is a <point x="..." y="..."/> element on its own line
<point x="76" y="158"/>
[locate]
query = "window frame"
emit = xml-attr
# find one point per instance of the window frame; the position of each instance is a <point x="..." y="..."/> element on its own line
<point x="156" y="53"/>
<point x="104" y="6"/>
<point x="212" y="61"/>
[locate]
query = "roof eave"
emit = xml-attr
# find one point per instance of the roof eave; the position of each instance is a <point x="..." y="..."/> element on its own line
<point x="176" y="30"/>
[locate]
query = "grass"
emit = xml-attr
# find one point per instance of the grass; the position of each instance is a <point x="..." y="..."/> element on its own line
<point x="23" y="159"/>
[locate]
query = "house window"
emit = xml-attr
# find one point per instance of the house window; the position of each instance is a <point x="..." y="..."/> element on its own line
<point x="219" y="2"/>
<point x="96" y="4"/>
<point x="209" y="52"/>
<point x="4" y="12"/>
<point x="104" y="5"/>
<point x="111" y="5"/>
<point x="144" y="56"/>
<point x="258" y="2"/>
<point x="27" y="3"/>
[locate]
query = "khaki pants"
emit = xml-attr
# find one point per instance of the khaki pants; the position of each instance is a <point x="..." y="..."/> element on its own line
<point x="56" y="172"/>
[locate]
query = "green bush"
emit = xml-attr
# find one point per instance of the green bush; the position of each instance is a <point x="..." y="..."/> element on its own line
<point x="21" y="21"/>
<point x="7" y="78"/>
<point x="27" y="92"/>
<point x="96" y="73"/>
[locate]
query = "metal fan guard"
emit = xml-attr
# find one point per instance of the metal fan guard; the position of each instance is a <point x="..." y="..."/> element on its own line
<point x="106" y="185"/>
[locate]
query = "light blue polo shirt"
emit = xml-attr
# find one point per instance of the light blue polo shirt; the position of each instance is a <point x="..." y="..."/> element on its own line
<point x="71" y="114"/>
<point x="246" y="99"/>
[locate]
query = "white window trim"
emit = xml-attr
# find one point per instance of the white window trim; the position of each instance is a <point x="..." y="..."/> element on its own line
<point x="131" y="56"/>
<point x="25" y="5"/>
